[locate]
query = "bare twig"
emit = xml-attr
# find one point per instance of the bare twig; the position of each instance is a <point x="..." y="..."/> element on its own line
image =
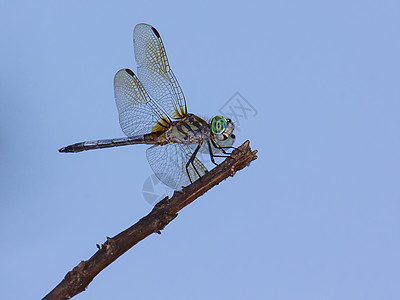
<point x="164" y="212"/>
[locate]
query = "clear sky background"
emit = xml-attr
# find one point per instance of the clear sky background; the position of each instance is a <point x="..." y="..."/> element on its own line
<point x="317" y="216"/>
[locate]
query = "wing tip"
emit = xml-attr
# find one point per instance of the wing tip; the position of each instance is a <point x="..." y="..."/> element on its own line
<point x="155" y="32"/>
<point x="130" y="72"/>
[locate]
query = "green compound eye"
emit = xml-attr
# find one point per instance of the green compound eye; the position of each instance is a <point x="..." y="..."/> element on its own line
<point x="218" y="124"/>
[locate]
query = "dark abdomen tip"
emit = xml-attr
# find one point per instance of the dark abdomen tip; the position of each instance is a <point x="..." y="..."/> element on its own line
<point x="78" y="147"/>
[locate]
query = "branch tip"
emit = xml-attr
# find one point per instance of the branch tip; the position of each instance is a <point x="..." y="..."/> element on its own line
<point x="161" y="215"/>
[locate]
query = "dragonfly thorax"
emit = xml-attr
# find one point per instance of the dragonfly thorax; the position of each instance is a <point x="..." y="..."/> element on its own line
<point x="191" y="129"/>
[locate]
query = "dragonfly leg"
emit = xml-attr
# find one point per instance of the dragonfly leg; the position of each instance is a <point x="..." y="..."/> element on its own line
<point x="190" y="161"/>
<point x="211" y="153"/>
<point x="222" y="149"/>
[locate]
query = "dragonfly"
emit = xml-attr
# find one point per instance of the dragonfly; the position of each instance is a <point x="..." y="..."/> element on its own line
<point x="152" y="110"/>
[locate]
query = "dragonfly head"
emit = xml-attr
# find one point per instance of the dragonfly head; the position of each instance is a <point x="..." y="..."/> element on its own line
<point x="221" y="127"/>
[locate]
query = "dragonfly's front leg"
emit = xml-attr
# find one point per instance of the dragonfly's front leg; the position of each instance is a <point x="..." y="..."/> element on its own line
<point x="222" y="149"/>
<point x="212" y="155"/>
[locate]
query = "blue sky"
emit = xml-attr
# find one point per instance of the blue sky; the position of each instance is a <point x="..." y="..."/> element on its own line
<point x="317" y="216"/>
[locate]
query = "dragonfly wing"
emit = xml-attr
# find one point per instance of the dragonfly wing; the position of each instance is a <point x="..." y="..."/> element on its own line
<point x="169" y="164"/>
<point x="155" y="72"/>
<point x="138" y="113"/>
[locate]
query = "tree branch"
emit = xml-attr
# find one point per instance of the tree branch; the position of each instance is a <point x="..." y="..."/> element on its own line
<point x="164" y="212"/>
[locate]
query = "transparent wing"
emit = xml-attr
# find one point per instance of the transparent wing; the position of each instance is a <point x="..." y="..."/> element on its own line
<point x="169" y="164"/>
<point x="155" y="73"/>
<point x="138" y="113"/>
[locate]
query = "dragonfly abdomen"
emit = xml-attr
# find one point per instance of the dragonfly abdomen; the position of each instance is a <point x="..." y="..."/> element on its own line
<point x="108" y="143"/>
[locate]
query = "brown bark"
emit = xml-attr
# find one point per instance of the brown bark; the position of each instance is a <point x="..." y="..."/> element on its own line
<point x="164" y="212"/>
